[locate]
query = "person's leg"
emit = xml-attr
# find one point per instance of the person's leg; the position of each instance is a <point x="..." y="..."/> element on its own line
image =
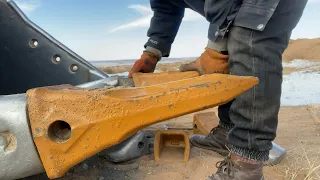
<point x="218" y="14"/>
<point x="255" y="112"/>
<point x="216" y="140"/>
<point x="223" y="114"/>
<point x="259" y="53"/>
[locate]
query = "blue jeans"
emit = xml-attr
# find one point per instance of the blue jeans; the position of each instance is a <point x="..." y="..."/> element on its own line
<point x="253" y="116"/>
<point x="258" y="31"/>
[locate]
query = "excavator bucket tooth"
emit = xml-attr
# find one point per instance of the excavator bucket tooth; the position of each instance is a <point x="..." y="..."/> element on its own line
<point x="70" y="124"/>
<point x="148" y="79"/>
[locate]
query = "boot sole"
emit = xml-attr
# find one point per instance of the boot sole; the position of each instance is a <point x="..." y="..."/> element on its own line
<point x="217" y="150"/>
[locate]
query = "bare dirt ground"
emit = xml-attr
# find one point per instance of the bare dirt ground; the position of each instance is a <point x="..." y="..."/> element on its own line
<point x="303" y="49"/>
<point x="298" y="132"/>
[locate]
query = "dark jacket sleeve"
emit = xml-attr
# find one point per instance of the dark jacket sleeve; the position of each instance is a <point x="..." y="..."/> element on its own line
<point x="164" y="25"/>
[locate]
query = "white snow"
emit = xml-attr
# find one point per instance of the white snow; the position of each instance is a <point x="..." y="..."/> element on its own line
<point x="299" y="63"/>
<point x="301" y="88"/>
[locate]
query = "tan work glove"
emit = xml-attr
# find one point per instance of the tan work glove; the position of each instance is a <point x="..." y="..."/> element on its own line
<point x="146" y="64"/>
<point x="209" y="62"/>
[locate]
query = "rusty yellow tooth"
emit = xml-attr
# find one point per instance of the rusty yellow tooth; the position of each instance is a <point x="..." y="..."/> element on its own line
<point x="71" y="124"/>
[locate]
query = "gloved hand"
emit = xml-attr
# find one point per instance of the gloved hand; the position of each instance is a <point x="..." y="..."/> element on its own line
<point x="146" y="64"/>
<point x="209" y="62"/>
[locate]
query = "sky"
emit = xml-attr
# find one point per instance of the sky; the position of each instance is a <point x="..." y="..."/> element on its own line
<point x="117" y="30"/>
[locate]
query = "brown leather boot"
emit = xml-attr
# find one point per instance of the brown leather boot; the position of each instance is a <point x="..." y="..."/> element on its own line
<point x="215" y="141"/>
<point x="234" y="167"/>
<point x="209" y="62"/>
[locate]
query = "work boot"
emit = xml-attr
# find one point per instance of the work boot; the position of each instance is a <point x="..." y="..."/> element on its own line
<point x="216" y="140"/>
<point x="209" y="62"/>
<point x="234" y="167"/>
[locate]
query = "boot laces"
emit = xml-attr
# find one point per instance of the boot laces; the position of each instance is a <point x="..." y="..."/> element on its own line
<point x="213" y="130"/>
<point x="226" y="167"/>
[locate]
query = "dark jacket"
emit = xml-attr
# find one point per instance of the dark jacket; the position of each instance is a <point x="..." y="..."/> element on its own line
<point x="168" y="14"/>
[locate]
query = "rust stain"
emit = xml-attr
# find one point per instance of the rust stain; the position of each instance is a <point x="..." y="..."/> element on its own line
<point x="101" y="118"/>
<point x="11" y="140"/>
<point x="163" y="94"/>
<point x="200" y="85"/>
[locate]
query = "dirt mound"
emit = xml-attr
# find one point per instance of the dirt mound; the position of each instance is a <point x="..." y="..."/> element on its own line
<point x="308" y="49"/>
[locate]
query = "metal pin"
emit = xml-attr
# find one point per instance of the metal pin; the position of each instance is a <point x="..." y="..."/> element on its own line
<point x="74" y="68"/>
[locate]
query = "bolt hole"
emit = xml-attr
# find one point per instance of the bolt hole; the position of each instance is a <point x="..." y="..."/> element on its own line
<point x="195" y="126"/>
<point x="56" y="59"/>
<point x="59" y="131"/>
<point x="140" y="145"/>
<point x="33" y="43"/>
<point x="74" y="68"/>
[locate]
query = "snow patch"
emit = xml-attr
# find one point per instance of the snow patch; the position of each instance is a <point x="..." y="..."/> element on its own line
<point x="301" y="88"/>
<point x="299" y="63"/>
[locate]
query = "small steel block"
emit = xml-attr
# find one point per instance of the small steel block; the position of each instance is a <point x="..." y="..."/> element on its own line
<point x="168" y="140"/>
<point x="204" y="122"/>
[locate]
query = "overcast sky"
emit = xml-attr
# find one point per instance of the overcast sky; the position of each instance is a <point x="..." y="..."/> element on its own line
<point x="114" y="30"/>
